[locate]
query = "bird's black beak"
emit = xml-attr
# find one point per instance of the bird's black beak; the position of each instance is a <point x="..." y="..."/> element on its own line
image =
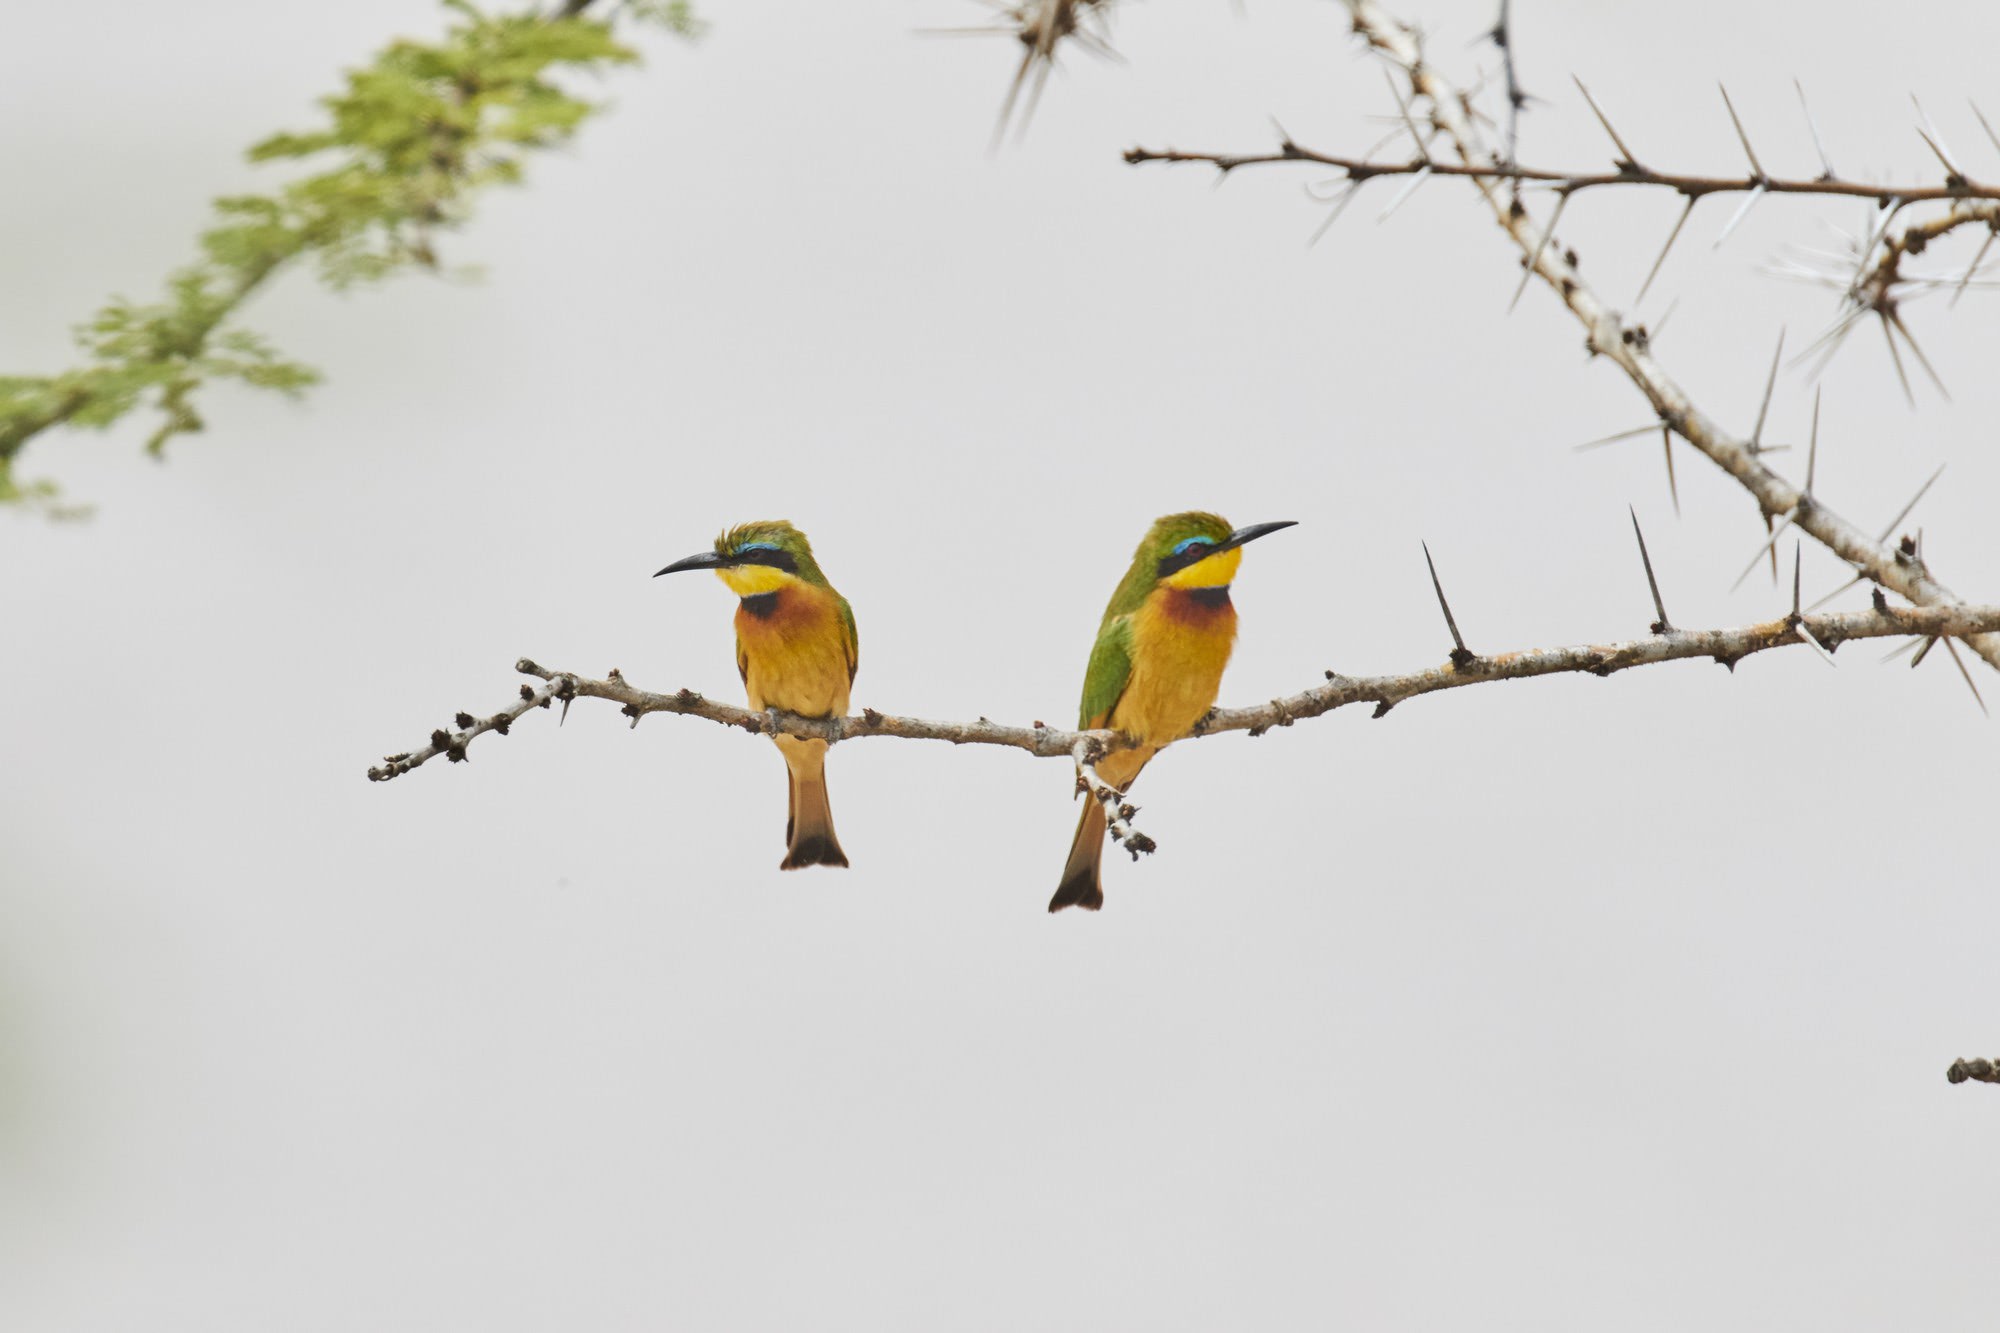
<point x="1244" y="536"/>
<point x="706" y="560"/>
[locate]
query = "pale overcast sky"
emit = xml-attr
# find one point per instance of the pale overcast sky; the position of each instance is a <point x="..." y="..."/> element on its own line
<point x="1572" y="1004"/>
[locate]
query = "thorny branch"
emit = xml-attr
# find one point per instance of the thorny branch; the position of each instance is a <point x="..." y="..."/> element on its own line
<point x="1900" y="568"/>
<point x="1879" y="284"/>
<point x="1357" y="169"/>
<point x="1085" y="748"/>
<point x="1502" y="36"/>
<point x="1885" y="273"/>
<point x="1041" y="27"/>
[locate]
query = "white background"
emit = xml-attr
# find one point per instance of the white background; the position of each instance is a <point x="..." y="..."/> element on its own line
<point x="1570" y="1004"/>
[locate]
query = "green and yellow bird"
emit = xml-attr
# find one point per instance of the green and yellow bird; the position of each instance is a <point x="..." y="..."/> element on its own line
<point x="796" y="649"/>
<point x="1157" y="664"/>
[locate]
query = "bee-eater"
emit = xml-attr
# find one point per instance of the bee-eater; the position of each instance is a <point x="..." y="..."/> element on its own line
<point x="796" y="649"/>
<point x="1157" y="664"/>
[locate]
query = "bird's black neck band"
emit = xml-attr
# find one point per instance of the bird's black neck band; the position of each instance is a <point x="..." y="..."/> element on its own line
<point x="762" y="606"/>
<point x="1210" y="597"/>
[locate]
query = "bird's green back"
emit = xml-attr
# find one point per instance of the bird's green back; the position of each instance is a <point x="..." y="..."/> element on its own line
<point x="1109" y="670"/>
<point x="853" y="636"/>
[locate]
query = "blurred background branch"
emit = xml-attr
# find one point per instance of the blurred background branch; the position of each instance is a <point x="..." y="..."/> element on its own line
<point x="406" y="147"/>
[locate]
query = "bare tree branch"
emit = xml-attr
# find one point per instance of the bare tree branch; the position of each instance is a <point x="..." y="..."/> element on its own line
<point x="1689" y="186"/>
<point x="1915" y="238"/>
<point x="1725" y="646"/>
<point x="1901" y="568"/>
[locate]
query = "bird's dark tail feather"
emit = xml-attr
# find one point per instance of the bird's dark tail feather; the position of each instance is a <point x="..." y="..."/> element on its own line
<point x="1081" y="886"/>
<point x="809" y="835"/>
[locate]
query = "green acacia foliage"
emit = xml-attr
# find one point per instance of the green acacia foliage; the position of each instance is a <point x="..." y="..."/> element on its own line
<point x="407" y="145"/>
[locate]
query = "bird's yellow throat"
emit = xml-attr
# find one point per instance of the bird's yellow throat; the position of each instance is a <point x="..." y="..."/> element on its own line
<point x="1217" y="571"/>
<point x="754" y="580"/>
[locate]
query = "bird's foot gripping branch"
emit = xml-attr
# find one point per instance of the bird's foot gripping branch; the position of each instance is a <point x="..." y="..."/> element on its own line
<point x="1118" y="812"/>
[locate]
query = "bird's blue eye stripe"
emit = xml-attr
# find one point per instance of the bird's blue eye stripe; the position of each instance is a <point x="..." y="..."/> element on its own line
<point x="764" y="553"/>
<point x="1186" y="544"/>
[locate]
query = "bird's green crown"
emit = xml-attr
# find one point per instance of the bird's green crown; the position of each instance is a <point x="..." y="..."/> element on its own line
<point x="773" y="535"/>
<point x="1170" y="536"/>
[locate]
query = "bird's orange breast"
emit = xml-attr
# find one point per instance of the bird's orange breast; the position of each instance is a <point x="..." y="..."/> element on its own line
<point x="793" y="651"/>
<point x="1181" y="641"/>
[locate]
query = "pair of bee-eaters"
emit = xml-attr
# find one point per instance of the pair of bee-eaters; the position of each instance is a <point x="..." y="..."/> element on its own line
<point x="1154" y="671"/>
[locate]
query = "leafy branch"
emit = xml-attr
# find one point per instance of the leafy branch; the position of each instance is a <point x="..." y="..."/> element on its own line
<point x="407" y="145"/>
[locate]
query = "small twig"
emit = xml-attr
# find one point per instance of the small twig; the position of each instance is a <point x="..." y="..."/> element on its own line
<point x="1688" y="185"/>
<point x="1983" y="1071"/>
<point x="451" y="744"/>
<point x="1502" y="36"/>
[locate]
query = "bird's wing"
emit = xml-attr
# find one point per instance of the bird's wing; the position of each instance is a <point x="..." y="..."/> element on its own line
<point x="1109" y="671"/>
<point x="851" y="638"/>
